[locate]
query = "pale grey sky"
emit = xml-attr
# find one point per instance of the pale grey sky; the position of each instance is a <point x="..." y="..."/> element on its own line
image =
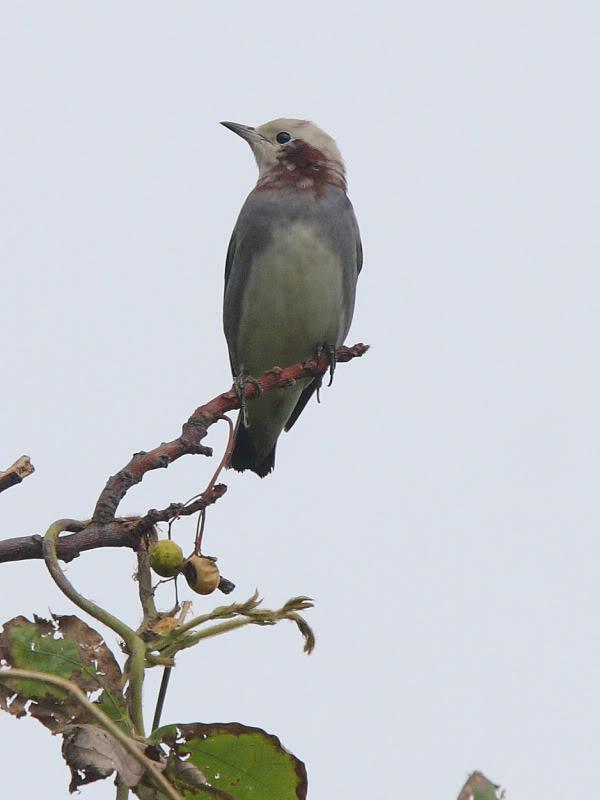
<point x="441" y="505"/>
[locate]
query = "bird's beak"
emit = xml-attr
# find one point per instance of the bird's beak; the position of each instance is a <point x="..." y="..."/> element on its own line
<point x="245" y="131"/>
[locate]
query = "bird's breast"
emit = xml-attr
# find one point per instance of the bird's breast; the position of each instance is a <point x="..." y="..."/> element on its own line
<point x="292" y="301"/>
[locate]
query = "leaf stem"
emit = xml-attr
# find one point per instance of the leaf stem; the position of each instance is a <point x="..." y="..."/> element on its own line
<point x="134" y="643"/>
<point x="221" y="612"/>
<point x="214" y="630"/>
<point x="160" y="700"/>
<point x="246" y="613"/>
<point x="122" y="791"/>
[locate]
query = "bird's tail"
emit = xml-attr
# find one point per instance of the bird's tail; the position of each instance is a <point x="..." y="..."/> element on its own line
<point x="244" y="455"/>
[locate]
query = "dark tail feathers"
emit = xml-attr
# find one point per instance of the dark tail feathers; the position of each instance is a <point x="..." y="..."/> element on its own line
<point x="244" y="455"/>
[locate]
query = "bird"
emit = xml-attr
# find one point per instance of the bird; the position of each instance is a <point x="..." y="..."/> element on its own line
<point x="290" y="276"/>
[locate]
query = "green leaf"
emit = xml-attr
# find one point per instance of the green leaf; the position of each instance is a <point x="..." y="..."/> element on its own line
<point x="63" y="646"/>
<point x="115" y="709"/>
<point x="204" y="793"/>
<point x="244" y="762"/>
<point x="31" y="649"/>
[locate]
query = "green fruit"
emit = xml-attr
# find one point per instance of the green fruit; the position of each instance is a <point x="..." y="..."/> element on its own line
<point x="166" y="558"/>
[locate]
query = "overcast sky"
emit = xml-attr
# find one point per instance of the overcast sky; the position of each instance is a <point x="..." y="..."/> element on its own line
<point x="441" y="504"/>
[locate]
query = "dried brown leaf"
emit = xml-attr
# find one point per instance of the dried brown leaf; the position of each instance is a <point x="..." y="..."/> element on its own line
<point x="93" y="754"/>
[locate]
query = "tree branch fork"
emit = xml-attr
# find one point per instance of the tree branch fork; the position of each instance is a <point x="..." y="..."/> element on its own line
<point x="105" y="529"/>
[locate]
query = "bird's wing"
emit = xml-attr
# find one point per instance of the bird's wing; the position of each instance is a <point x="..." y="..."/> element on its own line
<point x="229" y="258"/>
<point x="359" y="252"/>
<point x="251" y="233"/>
<point x="228" y="265"/>
<point x="302" y="401"/>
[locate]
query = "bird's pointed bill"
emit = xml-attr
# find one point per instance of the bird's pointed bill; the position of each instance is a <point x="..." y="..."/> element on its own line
<point x="245" y="131"/>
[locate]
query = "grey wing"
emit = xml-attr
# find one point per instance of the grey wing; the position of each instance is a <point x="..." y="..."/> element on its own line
<point x="229" y="257"/>
<point x="228" y="264"/>
<point x="302" y="401"/>
<point x="359" y="252"/>
<point x="251" y="233"/>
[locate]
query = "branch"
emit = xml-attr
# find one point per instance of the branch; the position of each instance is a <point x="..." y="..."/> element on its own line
<point x="105" y="530"/>
<point x="173" y="510"/>
<point x="121" y="532"/>
<point x="196" y="428"/>
<point x="15" y="473"/>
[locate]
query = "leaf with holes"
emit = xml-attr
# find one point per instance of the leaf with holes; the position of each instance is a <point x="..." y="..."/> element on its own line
<point x="243" y="762"/>
<point x="188" y="780"/>
<point x="63" y="646"/>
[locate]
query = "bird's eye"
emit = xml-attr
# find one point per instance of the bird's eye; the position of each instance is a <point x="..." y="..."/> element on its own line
<point x="283" y="137"/>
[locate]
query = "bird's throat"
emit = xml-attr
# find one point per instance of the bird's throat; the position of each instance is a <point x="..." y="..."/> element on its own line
<point x="304" y="168"/>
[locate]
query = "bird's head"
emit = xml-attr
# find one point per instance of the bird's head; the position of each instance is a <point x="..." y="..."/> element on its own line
<point x="293" y="152"/>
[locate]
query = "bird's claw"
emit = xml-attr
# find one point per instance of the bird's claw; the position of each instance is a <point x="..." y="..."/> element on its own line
<point x="332" y="362"/>
<point x="331" y="357"/>
<point x="239" y="384"/>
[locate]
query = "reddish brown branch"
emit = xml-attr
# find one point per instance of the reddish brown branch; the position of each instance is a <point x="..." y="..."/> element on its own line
<point x="207" y="498"/>
<point x="196" y="428"/>
<point x="106" y="531"/>
<point x="120" y="533"/>
<point x="15" y="473"/>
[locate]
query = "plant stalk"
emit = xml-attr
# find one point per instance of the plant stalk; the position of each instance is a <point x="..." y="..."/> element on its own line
<point x="122" y="791"/>
<point x="129" y="744"/>
<point x="134" y="643"/>
<point x="160" y="700"/>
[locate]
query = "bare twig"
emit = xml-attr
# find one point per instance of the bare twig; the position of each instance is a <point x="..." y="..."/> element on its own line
<point x="207" y="498"/>
<point x="196" y="428"/>
<point x="211" y="485"/>
<point x="15" y="473"/>
<point x="107" y="531"/>
<point x="121" y="532"/>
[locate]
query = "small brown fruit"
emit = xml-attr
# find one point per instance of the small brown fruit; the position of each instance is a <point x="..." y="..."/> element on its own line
<point x="202" y="574"/>
<point x="166" y="558"/>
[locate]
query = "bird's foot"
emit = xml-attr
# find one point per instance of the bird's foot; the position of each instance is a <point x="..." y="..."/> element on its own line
<point x="331" y="356"/>
<point x="319" y="384"/>
<point x="239" y="383"/>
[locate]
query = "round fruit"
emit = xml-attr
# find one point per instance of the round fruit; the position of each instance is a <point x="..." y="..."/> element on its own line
<point x="166" y="558"/>
<point x="202" y="574"/>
